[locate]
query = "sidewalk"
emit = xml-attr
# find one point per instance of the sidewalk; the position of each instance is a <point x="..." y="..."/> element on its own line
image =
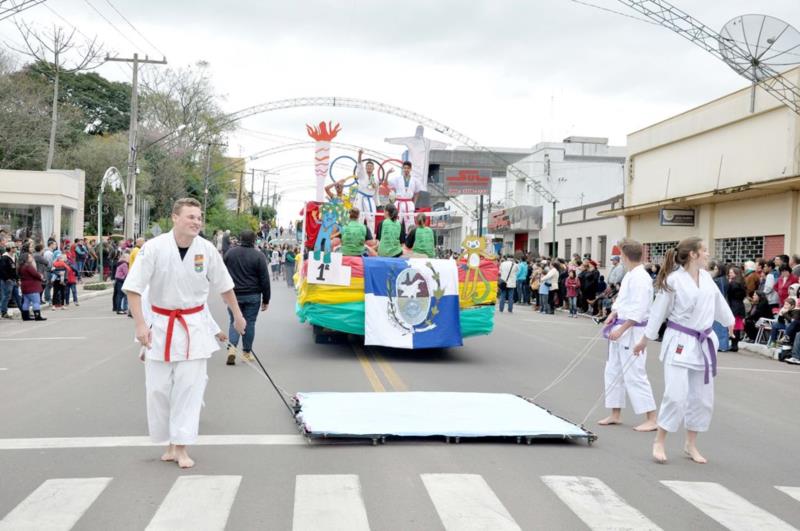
<point x="83" y="294"/>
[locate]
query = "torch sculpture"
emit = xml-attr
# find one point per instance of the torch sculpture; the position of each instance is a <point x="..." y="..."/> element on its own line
<point x="323" y="134"/>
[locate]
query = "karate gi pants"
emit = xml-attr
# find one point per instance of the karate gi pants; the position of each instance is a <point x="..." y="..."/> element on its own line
<point x="174" y="399"/>
<point x="367" y="211"/>
<point x="405" y="209"/>
<point x="687" y="399"/>
<point x="634" y="380"/>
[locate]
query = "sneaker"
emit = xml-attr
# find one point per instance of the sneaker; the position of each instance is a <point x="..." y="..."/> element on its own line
<point x="248" y="356"/>
<point x="76" y="303"/>
<point x="231" y="355"/>
<point x="793" y="361"/>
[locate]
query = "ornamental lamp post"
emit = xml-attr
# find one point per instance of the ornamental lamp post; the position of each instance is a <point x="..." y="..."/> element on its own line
<point x="113" y="178"/>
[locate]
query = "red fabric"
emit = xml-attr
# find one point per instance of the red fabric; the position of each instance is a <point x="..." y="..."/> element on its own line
<point x="176" y="315"/>
<point x="72" y="277"/>
<point x="312" y="225"/>
<point x="489" y="269"/>
<point x="30" y="279"/>
<point x="573" y="285"/>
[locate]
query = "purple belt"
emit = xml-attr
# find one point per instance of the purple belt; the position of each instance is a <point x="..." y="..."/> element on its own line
<point x="610" y="326"/>
<point x="705" y="335"/>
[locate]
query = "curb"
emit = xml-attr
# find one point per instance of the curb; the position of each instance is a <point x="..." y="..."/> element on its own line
<point x="84" y="295"/>
<point x="761" y="350"/>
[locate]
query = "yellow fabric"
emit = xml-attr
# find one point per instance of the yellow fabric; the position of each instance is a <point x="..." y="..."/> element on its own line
<point x="322" y="294"/>
<point x="487" y="297"/>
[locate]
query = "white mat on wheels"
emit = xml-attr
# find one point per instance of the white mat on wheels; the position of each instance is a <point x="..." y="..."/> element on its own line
<point x="424" y="414"/>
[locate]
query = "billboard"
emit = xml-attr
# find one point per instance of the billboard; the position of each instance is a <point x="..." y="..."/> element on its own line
<point x="468" y="182"/>
<point x="677" y="217"/>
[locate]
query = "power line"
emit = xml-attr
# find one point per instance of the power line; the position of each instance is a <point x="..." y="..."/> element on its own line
<point x="111" y="24"/>
<point x="609" y="10"/>
<point x="134" y="28"/>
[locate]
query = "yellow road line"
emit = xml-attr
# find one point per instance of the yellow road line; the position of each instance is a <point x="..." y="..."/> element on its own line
<point x="388" y="371"/>
<point x="369" y="371"/>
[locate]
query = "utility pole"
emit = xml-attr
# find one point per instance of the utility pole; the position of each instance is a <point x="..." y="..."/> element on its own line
<point x="239" y="198"/>
<point x="208" y="174"/>
<point x="132" y="131"/>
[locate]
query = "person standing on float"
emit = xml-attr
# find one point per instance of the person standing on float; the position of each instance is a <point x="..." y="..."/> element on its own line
<point x="177" y="331"/>
<point x="367" y="192"/>
<point x="406" y="190"/>
<point x="688" y="298"/>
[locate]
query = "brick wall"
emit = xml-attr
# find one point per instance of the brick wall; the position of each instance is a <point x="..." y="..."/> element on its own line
<point x="773" y="246"/>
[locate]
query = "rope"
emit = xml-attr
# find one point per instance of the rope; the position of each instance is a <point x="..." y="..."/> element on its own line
<point x="281" y="392"/>
<point x="628" y="364"/>
<point x="572" y="365"/>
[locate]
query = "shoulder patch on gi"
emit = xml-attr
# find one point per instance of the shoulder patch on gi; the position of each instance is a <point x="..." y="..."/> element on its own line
<point x="199" y="261"/>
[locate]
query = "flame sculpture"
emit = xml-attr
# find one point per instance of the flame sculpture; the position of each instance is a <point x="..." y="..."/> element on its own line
<point x="323" y="134"/>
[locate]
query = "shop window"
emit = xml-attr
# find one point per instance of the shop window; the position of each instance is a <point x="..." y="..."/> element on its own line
<point x="601" y="244"/>
<point x="568" y="248"/>
<point x="654" y="252"/>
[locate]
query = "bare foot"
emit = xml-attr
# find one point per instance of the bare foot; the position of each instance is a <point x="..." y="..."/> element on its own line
<point x="169" y="455"/>
<point x="608" y="421"/>
<point x="648" y="425"/>
<point x="184" y="461"/>
<point x="659" y="454"/>
<point x="694" y="454"/>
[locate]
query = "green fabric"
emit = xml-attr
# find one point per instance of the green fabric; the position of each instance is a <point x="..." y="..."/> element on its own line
<point x="390" y="238"/>
<point x="289" y="257"/>
<point x="477" y="321"/>
<point x="349" y="318"/>
<point x="353" y="237"/>
<point x="423" y="241"/>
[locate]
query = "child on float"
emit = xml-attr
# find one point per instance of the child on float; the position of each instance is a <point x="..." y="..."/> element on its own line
<point x="688" y="298"/>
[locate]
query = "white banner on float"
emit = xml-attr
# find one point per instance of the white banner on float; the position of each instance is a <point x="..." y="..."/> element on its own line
<point x="333" y="273"/>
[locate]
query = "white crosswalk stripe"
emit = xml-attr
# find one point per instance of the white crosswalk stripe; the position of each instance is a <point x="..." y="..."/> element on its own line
<point x="56" y="505"/>
<point x="196" y="503"/>
<point x="794" y="492"/>
<point x="465" y="502"/>
<point x="726" y="507"/>
<point x="329" y="503"/>
<point x="596" y="504"/>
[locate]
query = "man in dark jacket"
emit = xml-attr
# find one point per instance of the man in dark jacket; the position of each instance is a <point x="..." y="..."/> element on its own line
<point x="248" y="269"/>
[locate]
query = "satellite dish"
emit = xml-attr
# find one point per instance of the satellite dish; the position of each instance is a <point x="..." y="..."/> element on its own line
<point x="757" y="46"/>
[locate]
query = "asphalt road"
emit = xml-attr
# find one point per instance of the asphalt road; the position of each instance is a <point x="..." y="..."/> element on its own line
<point x="72" y="451"/>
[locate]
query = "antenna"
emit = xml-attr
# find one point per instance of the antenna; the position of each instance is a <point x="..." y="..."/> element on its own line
<point x="748" y="43"/>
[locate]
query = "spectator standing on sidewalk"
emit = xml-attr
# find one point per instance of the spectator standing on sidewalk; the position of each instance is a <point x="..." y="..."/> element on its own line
<point x="522" y="274"/>
<point x="50" y="256"/>
<point x="617" y="271"/>
<point x="31" y="281"/>
<point x="785" y="280"/>
<point x="72" y="282"/>
<point x="8" y="279"/>
<point x="248" y="269"/>
<point x="290" y="261"/>
<point x="737" y="292"/>
<point x="720" y="276"/>
<point x="507" y="283"/>
<point x="770" y="282"/>
<point x="81" y="255"/>
<point x="573" y="286"/>
<point x="58" y="277"/>
<point x="121" y="273"/>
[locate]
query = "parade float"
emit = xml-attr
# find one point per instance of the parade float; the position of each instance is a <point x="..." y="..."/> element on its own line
<point x="409" y="302"/>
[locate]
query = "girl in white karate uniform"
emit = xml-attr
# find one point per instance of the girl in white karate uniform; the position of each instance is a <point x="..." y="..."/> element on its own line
<point x="688" y="299"/>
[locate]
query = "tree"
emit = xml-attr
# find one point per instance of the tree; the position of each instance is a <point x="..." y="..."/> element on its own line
<point x="53" y="49"/>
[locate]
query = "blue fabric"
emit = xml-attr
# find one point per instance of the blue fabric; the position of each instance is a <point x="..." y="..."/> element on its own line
<point x="31" y="301"/>
<point x="442" y="326"/>
<point x="250" y="305"/>
<point x="522" y="270"/>
<point x="722" y="336"/>
<point x="506" y="295"/>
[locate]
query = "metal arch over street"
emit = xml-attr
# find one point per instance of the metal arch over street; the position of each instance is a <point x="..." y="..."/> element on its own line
<point x="367" y="105"/>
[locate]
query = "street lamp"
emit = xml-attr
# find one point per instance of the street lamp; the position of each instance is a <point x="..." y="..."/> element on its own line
<point x="113" y="178"/>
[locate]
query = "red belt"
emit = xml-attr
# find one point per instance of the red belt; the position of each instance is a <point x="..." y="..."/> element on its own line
<point x="173" y="316"/>
<point x="411" y="200"/>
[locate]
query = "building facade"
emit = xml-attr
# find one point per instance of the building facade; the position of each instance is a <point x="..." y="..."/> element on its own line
<point x="42" y="204"/>
<point x="719" y="172"/>
<point x="578" y="171"/>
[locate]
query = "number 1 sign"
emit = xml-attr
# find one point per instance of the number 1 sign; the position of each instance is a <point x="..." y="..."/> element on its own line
<point x="332" y="274"/>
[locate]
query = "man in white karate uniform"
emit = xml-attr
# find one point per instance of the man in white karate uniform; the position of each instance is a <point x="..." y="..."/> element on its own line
<point x="367" y="192"/>
<point x="406" y="190"/>
<point x="626" y="371"/>
<point x="177" y="331"/>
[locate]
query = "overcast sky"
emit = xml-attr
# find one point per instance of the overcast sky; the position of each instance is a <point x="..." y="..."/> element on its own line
<point x="504" y="72"/>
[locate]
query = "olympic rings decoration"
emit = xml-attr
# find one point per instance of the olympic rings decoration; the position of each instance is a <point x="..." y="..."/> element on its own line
<point x="333" y="163"/>
<point x="395" y="161"/>
<point x="381" y="172"/>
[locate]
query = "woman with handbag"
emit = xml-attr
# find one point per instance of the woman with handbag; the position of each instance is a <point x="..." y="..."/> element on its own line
<point x="507" y="283"/>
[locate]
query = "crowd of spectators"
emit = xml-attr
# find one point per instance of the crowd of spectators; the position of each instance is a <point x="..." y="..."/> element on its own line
<point x="761" y="293"/>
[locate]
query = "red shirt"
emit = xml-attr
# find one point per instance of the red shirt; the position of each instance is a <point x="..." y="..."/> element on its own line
<point x="573" y="285"/>
<point x="30" y="279"/>
<point x="782" y="286"/>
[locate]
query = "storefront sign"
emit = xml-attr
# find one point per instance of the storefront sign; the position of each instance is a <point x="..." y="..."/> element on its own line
<point x="677" y="217"/>
<point x="468" y="182"/>
<point x="500" y="220"/>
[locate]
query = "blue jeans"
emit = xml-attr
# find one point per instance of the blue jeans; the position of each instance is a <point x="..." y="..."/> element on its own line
<point x="573" y="305"/>
<point x="773" y="335"/>
<point x="9" y="289"/>
<point x="722" y="335"/>
<point x="31" y="300"/>
<point x="71" y="288"/>
<point x="80" y="264"/>
<point x="507" y="295"/>
<point x="544" y="303"/>
<point x="250" y="305"/>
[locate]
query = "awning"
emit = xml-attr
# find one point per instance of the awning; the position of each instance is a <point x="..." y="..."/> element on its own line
<point x="733" y="193"/>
